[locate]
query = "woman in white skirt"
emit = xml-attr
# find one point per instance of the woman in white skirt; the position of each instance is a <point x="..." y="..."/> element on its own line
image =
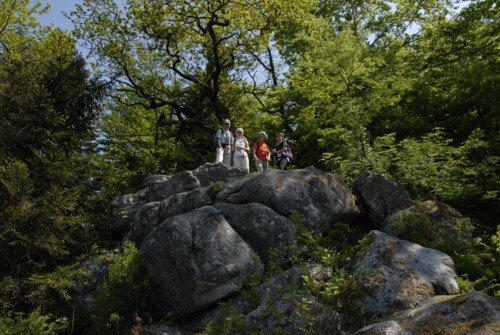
<point x="241" y="148"/>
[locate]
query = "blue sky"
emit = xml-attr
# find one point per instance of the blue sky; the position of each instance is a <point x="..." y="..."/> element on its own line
<point x="56" y="13"/>
<point x="57" y="18"/>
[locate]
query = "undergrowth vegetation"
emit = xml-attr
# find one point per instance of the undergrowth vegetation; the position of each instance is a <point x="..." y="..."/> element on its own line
<point x="122" y="298"/>
<point x="316" y="294"/>
<point x="32" y="324"/>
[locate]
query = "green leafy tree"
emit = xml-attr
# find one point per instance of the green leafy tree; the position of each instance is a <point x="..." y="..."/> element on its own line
<point x="191" y="63"/>
<point x="47" y="106"/>
<point x="33" y="324"/>
<point x="136" y="146"/>
<point x="361" y="75"/>
<point x="336" y="91"/>
<point x="456" y="59"/>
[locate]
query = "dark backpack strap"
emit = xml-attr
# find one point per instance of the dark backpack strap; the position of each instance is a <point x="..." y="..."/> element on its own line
<point x="218" y="139"/>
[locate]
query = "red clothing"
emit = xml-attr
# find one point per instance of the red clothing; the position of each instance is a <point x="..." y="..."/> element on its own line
<point x="261" y="151"/>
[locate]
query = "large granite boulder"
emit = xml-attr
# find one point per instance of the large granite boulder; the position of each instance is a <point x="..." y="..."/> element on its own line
<point x="161" y="187"/>
<point x="124" y="208"/>
<point x="262" y="228"/>
<point x="196" y="259"/>
<point x="151" y="214"/>
<point x="321" y="198"/>
<point x="186" y="181"/>
<point x="469" y="314"/>
<point x="397" y="274"/>
<point x="380" y="197"/>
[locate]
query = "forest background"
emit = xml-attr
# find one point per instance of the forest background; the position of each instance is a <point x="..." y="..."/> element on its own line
<point x="406" y="89"/>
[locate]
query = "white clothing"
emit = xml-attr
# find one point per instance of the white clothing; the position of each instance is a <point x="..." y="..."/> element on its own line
<point x="240" y="143"/>
<point x="240" y="156"/>
<point x="223" y="154"/>
<point x="241" y="162"/>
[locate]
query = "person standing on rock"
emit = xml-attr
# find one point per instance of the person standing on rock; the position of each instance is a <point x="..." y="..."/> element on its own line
<point x="261" y="153"/>
<point x="241" y="147"/>
<point x="280" y="152"/>
<point x="225" y="140"/>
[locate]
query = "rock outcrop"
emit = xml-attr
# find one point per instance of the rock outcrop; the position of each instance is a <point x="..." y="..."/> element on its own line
<point x="205" y="233"/>
<point x="321" y="198"/>
<point x="440" y="215"/>
<point x="200" y="244"/>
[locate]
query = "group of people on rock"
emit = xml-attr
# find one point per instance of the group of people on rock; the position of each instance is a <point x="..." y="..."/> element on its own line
<point x="236" y="148"/>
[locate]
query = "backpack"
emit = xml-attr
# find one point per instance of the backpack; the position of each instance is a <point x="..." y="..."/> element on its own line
<point x="289" y="154"/>
<point x="213" y="142"/>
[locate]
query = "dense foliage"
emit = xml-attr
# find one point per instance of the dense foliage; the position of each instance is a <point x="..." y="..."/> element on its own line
<point x="46" y="123"/>
<point x="406" y="89"/>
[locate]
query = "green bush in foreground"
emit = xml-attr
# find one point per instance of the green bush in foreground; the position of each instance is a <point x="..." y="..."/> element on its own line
<point x="122" y="296"/>
<point x="33" y="324"/>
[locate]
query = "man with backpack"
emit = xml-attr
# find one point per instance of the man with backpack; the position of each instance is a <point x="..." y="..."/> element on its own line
<point x="224" y="144"/>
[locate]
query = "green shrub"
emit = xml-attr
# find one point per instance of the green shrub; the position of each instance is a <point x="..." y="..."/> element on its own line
<point x="470" y="266"/>
<point x="123" y="294"/>
<point x="230" y="322"/>
<point x="485" y="260"/>
<point x="419" y="228"/>
<point x="215" y="188"/>
<point x="33" y="324"/>
<point x="338" y="292"/>
<point x="465" y="285"/>
<point x="496" y="240"/>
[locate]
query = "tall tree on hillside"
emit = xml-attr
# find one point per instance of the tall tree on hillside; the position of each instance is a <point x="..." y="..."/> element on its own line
<point x="350" y="64"/>
<point x="334" y="93"/>
<point x="458" y="61"/>
<point x="371" y="97"/>
<point x="198" y="60"/>
<point x="46" y="114"/>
